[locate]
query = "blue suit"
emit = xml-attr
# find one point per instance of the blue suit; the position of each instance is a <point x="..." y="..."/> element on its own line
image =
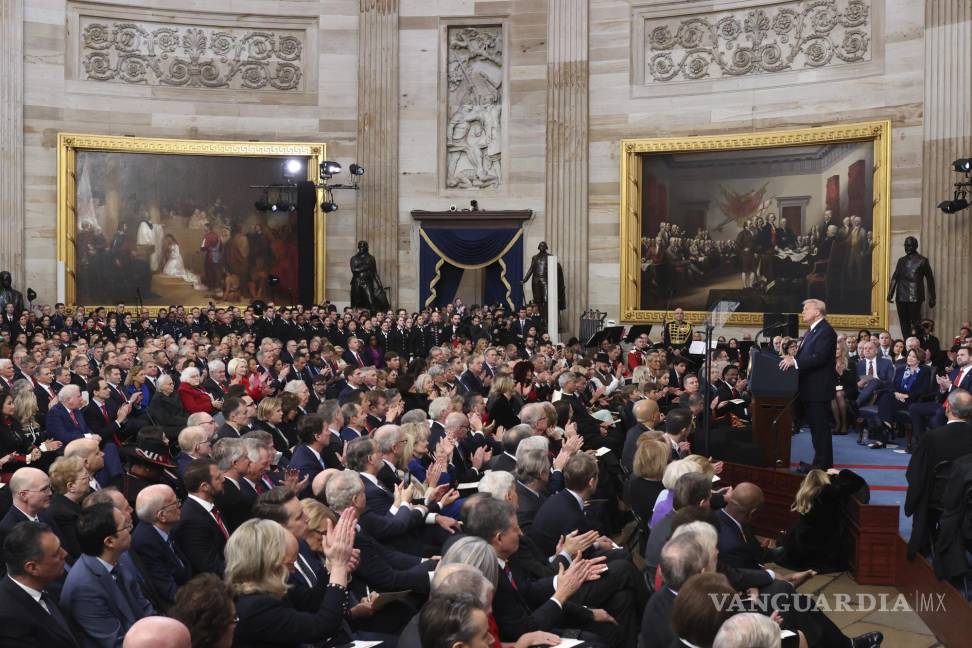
<point x="933" y="412"/>
<point x="166" y="567"/>
<point x="305" y="461"/>
<point x="60" y="427"/>
<point x="348" y="435"/>
<point x="103" y="609"/>
<point x="817" y="386"/>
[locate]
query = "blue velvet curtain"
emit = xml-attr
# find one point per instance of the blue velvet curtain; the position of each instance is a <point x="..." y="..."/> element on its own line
<point x="445" y="253"/>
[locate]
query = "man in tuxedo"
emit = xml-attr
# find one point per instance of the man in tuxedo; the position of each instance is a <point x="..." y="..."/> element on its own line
<point x="233" y="460"/>
<point x="945" y="443"/>
<point x="28" y="615"/>
<point x="164" y="563"/>
<point x="817" y="379"/>
<point x="201" y="532"/>
<point x="933" y="412"/>
<point x="101" y="592"/>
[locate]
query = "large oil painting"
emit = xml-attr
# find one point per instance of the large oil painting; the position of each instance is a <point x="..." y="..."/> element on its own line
<point x="178" y="223"/>
<point x="796" y="215"/>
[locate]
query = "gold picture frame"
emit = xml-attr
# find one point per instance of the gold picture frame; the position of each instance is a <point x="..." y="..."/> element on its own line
<point x="636" y="152"/>
<point x="70" y="145"/>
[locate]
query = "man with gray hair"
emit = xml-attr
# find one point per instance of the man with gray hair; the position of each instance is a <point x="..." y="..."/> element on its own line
<point x="439" y="409"/>
<point x="748" y="630"/>
<point x="511" y="441"/>
<point x="233" y="460"/>
<point x="194" y="442"/>
<point x="162" y="561"/>
<point x="215" y="383"/>
<point x="391" y="444"/>
<point x="535" y="416"/>
<point x="449" y="580"/>
<point x="382" y="568"/>
<point x="467" y="466"/>
<point x="681" y="558"/>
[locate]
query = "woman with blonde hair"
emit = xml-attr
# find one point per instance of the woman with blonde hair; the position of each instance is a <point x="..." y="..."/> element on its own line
<point x="645" y="484"/>
<point x="820" y="539"/>
<point x="846" y="389"/>
<point x="260" y="557"/>
<point x="70" y="482"/>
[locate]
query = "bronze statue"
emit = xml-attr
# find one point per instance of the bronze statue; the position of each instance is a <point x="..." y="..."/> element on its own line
<point x="366" y="289"/>
<point x="538" y="270"/>
<point x="10" y="296"/>
<point x="907" y="288"/>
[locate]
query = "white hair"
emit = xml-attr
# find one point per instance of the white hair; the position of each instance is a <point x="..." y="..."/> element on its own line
<point x="748" y="630"/>
<point x="497" y="484"/>
<point x="163" y="379"/>
<point x="536" y="442"/>
<point x="187" y="373"/>
<point x="67" y="392"/>
<point x="216" y="365"/>
<point x="676" y="469"/>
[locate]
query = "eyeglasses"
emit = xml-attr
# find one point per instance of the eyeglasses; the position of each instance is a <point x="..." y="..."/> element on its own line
<point x="46" y="489"/>
<point x="177" y="504"/>
<point x="127" y="527"/>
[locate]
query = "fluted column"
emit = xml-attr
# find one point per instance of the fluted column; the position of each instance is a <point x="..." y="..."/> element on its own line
<point x="377" y="220"/>
<point x="12" y="140"/>
<point x="946" y="239"/>
<point x="567" y="151"/>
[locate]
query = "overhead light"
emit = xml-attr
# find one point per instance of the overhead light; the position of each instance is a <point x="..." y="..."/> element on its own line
<point x="329" y="206"/>
<point x="292" y="168"/>
<point x="957" y="204"/>
<point x="963" y="165"/>
<point x="330" y="169"/>
<point x="356" y="169"/>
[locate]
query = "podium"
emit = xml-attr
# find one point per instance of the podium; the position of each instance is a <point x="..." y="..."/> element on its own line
<point x="773" y="391"/>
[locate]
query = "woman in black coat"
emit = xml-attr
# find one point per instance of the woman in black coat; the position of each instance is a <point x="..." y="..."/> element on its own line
<point x="500" y="403"/>
<point x="266" y="616"/>
<point x="166" y="409"/>
<point x="820" y="539"/>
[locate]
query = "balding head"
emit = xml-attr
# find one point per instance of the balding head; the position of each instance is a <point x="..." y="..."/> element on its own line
<point x="646" y="412"/>
<point x="81" y="448"/>
<point x="746" y="499"/>
<point x="151" y="500"/>
<point x="157" y="632"/>
<point x="959" y="405"/>
<point x="28" y="479"/>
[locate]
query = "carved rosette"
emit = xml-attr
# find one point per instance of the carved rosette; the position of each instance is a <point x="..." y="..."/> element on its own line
<point x="191" y="56"/>
<point x="474" y="145"/>
<point x="781" y="36"/>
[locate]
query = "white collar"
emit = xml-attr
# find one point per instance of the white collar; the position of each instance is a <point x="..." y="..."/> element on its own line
<point x="370" y="477"/>
<point x="814" y="325"/>
<point x="32" y="518"/>
<point x="236" y="482"/>
<point x="34" y="594"/>
<point x="580" y="500"/>
<point x="208" y="506"/>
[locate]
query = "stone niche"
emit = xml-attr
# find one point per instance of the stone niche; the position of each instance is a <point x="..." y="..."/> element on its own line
<point x="686" y="48"/>
<point x="475" y="106"/>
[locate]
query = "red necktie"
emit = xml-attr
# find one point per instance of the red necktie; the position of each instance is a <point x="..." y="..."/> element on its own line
<point x="870" y="368"/>
<point x="74" y="419"/>
<point x="958" y="378"/>
<point x="219" y="521"/>
<point x="509" y="574"/>
<point x="259" y="487"/>
<point x="104" y="412"/>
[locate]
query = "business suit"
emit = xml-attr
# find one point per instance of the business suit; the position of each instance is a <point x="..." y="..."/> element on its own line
<point x="920" y="386"/>
<point x="631" y="445"/>
<point x="946" y="443"/>
<point x="388" y="476"/>
<point x="103" y="608"/>
<point x="102" y="423"/>
<point x="266" y="621"/>
<point x="817" y="386"/>
<point x="558" y="516"/>
<point x="932" y="413"/>
<point x="23" y="622"/>
<point x="61" y="427"/>
<point x="164" y="565"/>
<point x="200" y="538"/>
<point x="44" y="394"/>
<point x="215" y="390"/>
<point x="385" y="569"/>
<point x="228" y="431"/>
<point x="528" y="503"/>
<point x="502" y="462"/>
<point x="656" y="622"/>
<point x="235" y="505"/>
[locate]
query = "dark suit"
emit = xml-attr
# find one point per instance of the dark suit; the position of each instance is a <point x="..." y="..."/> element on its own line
<point x="528" y="503"/>
<point x="558" y="516"/>
<point x="23" y="622"/>
<point x="817" y="385"/>
<point x="103" y="608"/>
<point x="214" y="388"/>
<point x="200" y="538"/>
<point x="656" y="623"/>
<point x="44" y="397"/>
<point x="61" y="427"/>
<point x="933" y="412"/>
<point x="946" y="443"/>
<point x="469" y="382"/>
<point x="107" y="428"/>
<point x="502" y="462"/>
<point x="65" y="514"/>
<point x="164" y="565"/>
<point x="266" y="620"/>
<point x="631" y="445"/>
<point x="234" y="504"/>
<point x="228" y="431"/>
<point x="385" y="569"/>
<point x="308" y="464"/>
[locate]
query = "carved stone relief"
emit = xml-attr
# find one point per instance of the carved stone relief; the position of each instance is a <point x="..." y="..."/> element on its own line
<point x="770" y="37"/>
<point x="199" y="56"/>
<point x="474" y="107"/>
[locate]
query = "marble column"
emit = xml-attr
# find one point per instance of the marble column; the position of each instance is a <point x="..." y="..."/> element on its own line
<point x="12" y="140"/>
<point x="566" y="228"/>
<point x="377" y="220"/>
<point x="947" y="133"/>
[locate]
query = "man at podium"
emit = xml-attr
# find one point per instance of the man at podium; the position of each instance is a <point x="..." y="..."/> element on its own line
<point x="817" y="380"/>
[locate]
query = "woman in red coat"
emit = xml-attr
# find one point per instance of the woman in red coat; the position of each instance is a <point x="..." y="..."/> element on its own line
<point x="194" y="398"/>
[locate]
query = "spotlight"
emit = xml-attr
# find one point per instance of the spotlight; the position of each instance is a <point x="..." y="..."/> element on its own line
<point x="330" y="169"/>
<point x="273" y="280"/>
<point x="963" y="165"/>
<point x="263" y="204"/>
<point x="329" y="206"/>
<point x="292" y="167"/>
<point x="957" y="204"/>
<point x="356" y="169"/>
<point x="282" y="206"/>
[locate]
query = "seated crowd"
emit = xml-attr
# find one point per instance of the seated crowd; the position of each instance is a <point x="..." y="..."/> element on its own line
<point x="287" y="476"/>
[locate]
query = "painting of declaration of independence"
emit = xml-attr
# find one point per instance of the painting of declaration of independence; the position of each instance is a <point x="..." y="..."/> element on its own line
<point x="180" y="229"/>
<point x="766" y="227"/>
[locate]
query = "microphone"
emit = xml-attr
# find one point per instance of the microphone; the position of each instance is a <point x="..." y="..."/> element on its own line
<point x="774" y="327"/>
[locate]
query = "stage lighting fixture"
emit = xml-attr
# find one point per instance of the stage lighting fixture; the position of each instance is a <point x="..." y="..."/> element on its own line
<point x="283" y="206"/>
<point x="292" y="168"/>
<point x="329" y="206"/>
<point x="273" y="280"/>
<point x="330" y="169"/>
<point x="956" y="204"/>
<point x="356" y="169"/>
<point x="963" y="165"/>
<point x="263" y="204"/>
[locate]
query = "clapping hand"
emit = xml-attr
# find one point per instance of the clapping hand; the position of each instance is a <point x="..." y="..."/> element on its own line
<point x="575" y="542"/>
<point x="293" y="481"/>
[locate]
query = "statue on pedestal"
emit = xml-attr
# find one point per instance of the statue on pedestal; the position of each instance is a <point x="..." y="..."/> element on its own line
<point x="10" y="296"/>
<point x="538" y="271"/>
<point x="366" y="289"/>
<point x="907" y="287"/>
